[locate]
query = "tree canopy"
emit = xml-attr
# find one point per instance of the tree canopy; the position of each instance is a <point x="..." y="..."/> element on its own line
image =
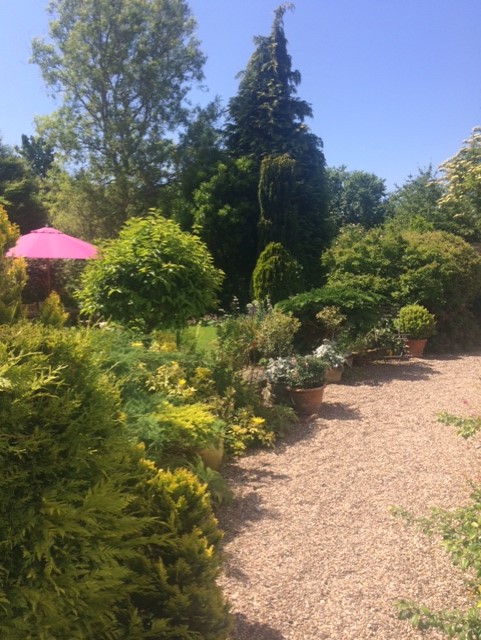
<point x="153" y="275"/>
<point x="356" y="197"/>
<point x="122" y="69"/>
<point x="461" y="180"/>
<point x="265" y="130"/>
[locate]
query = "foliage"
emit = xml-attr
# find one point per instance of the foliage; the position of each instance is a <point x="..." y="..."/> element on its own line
<point x="298" y="372"/>
<point x="37" y="153"/>
<point x="217" y="486"/>
<point x="356" y="197"/>
<point x="225" y="218"/>
<point x="383" y="335"/>
<point x="153" y="375"/>
<point x="84" y="553"/>
<point x="266" y="124"/>
<point x="415" y="321"/>
<point x="361" y="307"/>
<point x="236" y="338"/>
<point x="277" y="274"/>
<point x="122" y="71"/>
<point x="331" y="319"/>
<point x="176" y="595"/>
<point x="466" y="427"/>
<point x="329" y="353"/>
<point x="461" y="180"/>
<point x="12" y="272"/>
<point x="414" y="205"/>
<point x="278" y="220"/>
<point x="460" y="537"/>
<point x="197" y="157"/>
<point x="275" y="334"/>
<point x="177" y="432"/>
<point x="20" y="191"/>
<point x="262" y="332"/>
<point x="52" y="312"/>
<point x="153" y="275"/>
<point x="435" y="269"/>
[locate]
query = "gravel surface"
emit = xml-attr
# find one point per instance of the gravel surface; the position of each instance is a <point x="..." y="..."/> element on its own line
<point x="312" y="550"/>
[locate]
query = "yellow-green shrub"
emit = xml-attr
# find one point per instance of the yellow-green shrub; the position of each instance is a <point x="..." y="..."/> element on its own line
<point x="96" y="542"/>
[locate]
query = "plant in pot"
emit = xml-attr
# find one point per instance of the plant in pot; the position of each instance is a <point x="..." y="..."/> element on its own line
<point x="303" y="378"/>
<point x="416" y="325"/>
<point x="335" y="361"/>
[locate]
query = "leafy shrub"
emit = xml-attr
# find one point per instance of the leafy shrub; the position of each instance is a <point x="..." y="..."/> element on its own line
<point x="277" y="274"/>
<point x="331" y="318"/>
<point x="153" y="275"/>
<point x="52" y="312"/>
<point x="12" y="272"/>
<point x="80" y="511"/>
<point x="177" y="431"/>
<point x="275" y="334"/>
<point x="415" y="321"/>
<point x="361" y="307"/>
<point x="298" y="372"/>
<point x="236" y="338"/>
<point x="434" y="269"/>
<point x="175" y="593"/>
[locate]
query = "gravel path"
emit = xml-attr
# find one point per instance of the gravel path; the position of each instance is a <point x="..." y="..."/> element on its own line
<point x="312" y="550"/>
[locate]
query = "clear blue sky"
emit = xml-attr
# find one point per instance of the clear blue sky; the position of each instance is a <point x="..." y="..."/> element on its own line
<point x="394" y="84"/>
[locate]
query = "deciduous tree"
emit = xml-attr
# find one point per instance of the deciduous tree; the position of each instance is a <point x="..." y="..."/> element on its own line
<point x="122" y="70"/>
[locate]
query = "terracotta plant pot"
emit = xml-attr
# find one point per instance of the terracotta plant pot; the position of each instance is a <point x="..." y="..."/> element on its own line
<point x="416" y="347"/>
<point x="307" y="400"/>
<point x="212" y="456"/>
<point x="334" y="375"/>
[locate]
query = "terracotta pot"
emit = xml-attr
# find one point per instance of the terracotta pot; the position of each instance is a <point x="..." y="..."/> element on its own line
<point x="416" y="347"/>
<point x="307" y="400"/>
<point x="334" y="375"/>
<point x="212" y="456"/>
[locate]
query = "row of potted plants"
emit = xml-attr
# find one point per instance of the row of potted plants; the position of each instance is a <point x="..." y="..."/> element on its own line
<point x="304" y="376"/>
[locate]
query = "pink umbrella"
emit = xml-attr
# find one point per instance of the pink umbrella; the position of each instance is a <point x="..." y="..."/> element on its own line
<point x="50" y="244"/>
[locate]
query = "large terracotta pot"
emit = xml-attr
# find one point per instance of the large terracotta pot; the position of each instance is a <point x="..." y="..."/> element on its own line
<point x="307" y="400"/>
<point x="416" y="347"/>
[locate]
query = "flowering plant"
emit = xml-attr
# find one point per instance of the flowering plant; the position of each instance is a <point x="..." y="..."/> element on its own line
<point x="327" y="352"/>
<point x="297" y="372"/>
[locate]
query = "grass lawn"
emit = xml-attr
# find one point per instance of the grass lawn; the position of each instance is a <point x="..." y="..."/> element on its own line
<point x="204" y="336"/>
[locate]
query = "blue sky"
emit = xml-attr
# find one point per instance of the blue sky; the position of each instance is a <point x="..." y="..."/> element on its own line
<point x="394" y="84"/>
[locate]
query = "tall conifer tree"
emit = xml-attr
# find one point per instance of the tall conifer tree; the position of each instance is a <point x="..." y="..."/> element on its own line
<point x="267" y="124"/>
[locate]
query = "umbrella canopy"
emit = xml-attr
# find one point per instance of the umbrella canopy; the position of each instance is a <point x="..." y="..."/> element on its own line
<point x="49" y="243"/>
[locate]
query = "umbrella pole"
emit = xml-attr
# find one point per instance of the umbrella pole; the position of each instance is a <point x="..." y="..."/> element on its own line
<point x="48" y="277"/>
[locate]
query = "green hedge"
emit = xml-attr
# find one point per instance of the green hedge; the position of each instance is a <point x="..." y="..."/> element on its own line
<point x="93" y="537"/>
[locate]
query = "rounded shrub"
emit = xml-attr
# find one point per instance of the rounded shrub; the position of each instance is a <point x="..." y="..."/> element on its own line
<point x="152" y="275"/>
<point x="277" y="274"/>
<point x="415" y="321"/>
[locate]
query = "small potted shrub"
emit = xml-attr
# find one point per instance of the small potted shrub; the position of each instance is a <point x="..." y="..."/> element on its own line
<point x="303" y="377"/>
<point x="331" y="356"/>
<point x="416" y="324"/>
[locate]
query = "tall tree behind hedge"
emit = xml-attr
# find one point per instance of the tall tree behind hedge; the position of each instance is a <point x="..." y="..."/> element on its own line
<point x="19" y="191"/>
<point x="266" y="123"/>
<point x="122" y="69"/>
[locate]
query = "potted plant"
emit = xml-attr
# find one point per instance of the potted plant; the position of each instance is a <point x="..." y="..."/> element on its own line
<point x="416" y="325"/>
<point x="327" y="351"/>
<point x="303" y="378"/>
